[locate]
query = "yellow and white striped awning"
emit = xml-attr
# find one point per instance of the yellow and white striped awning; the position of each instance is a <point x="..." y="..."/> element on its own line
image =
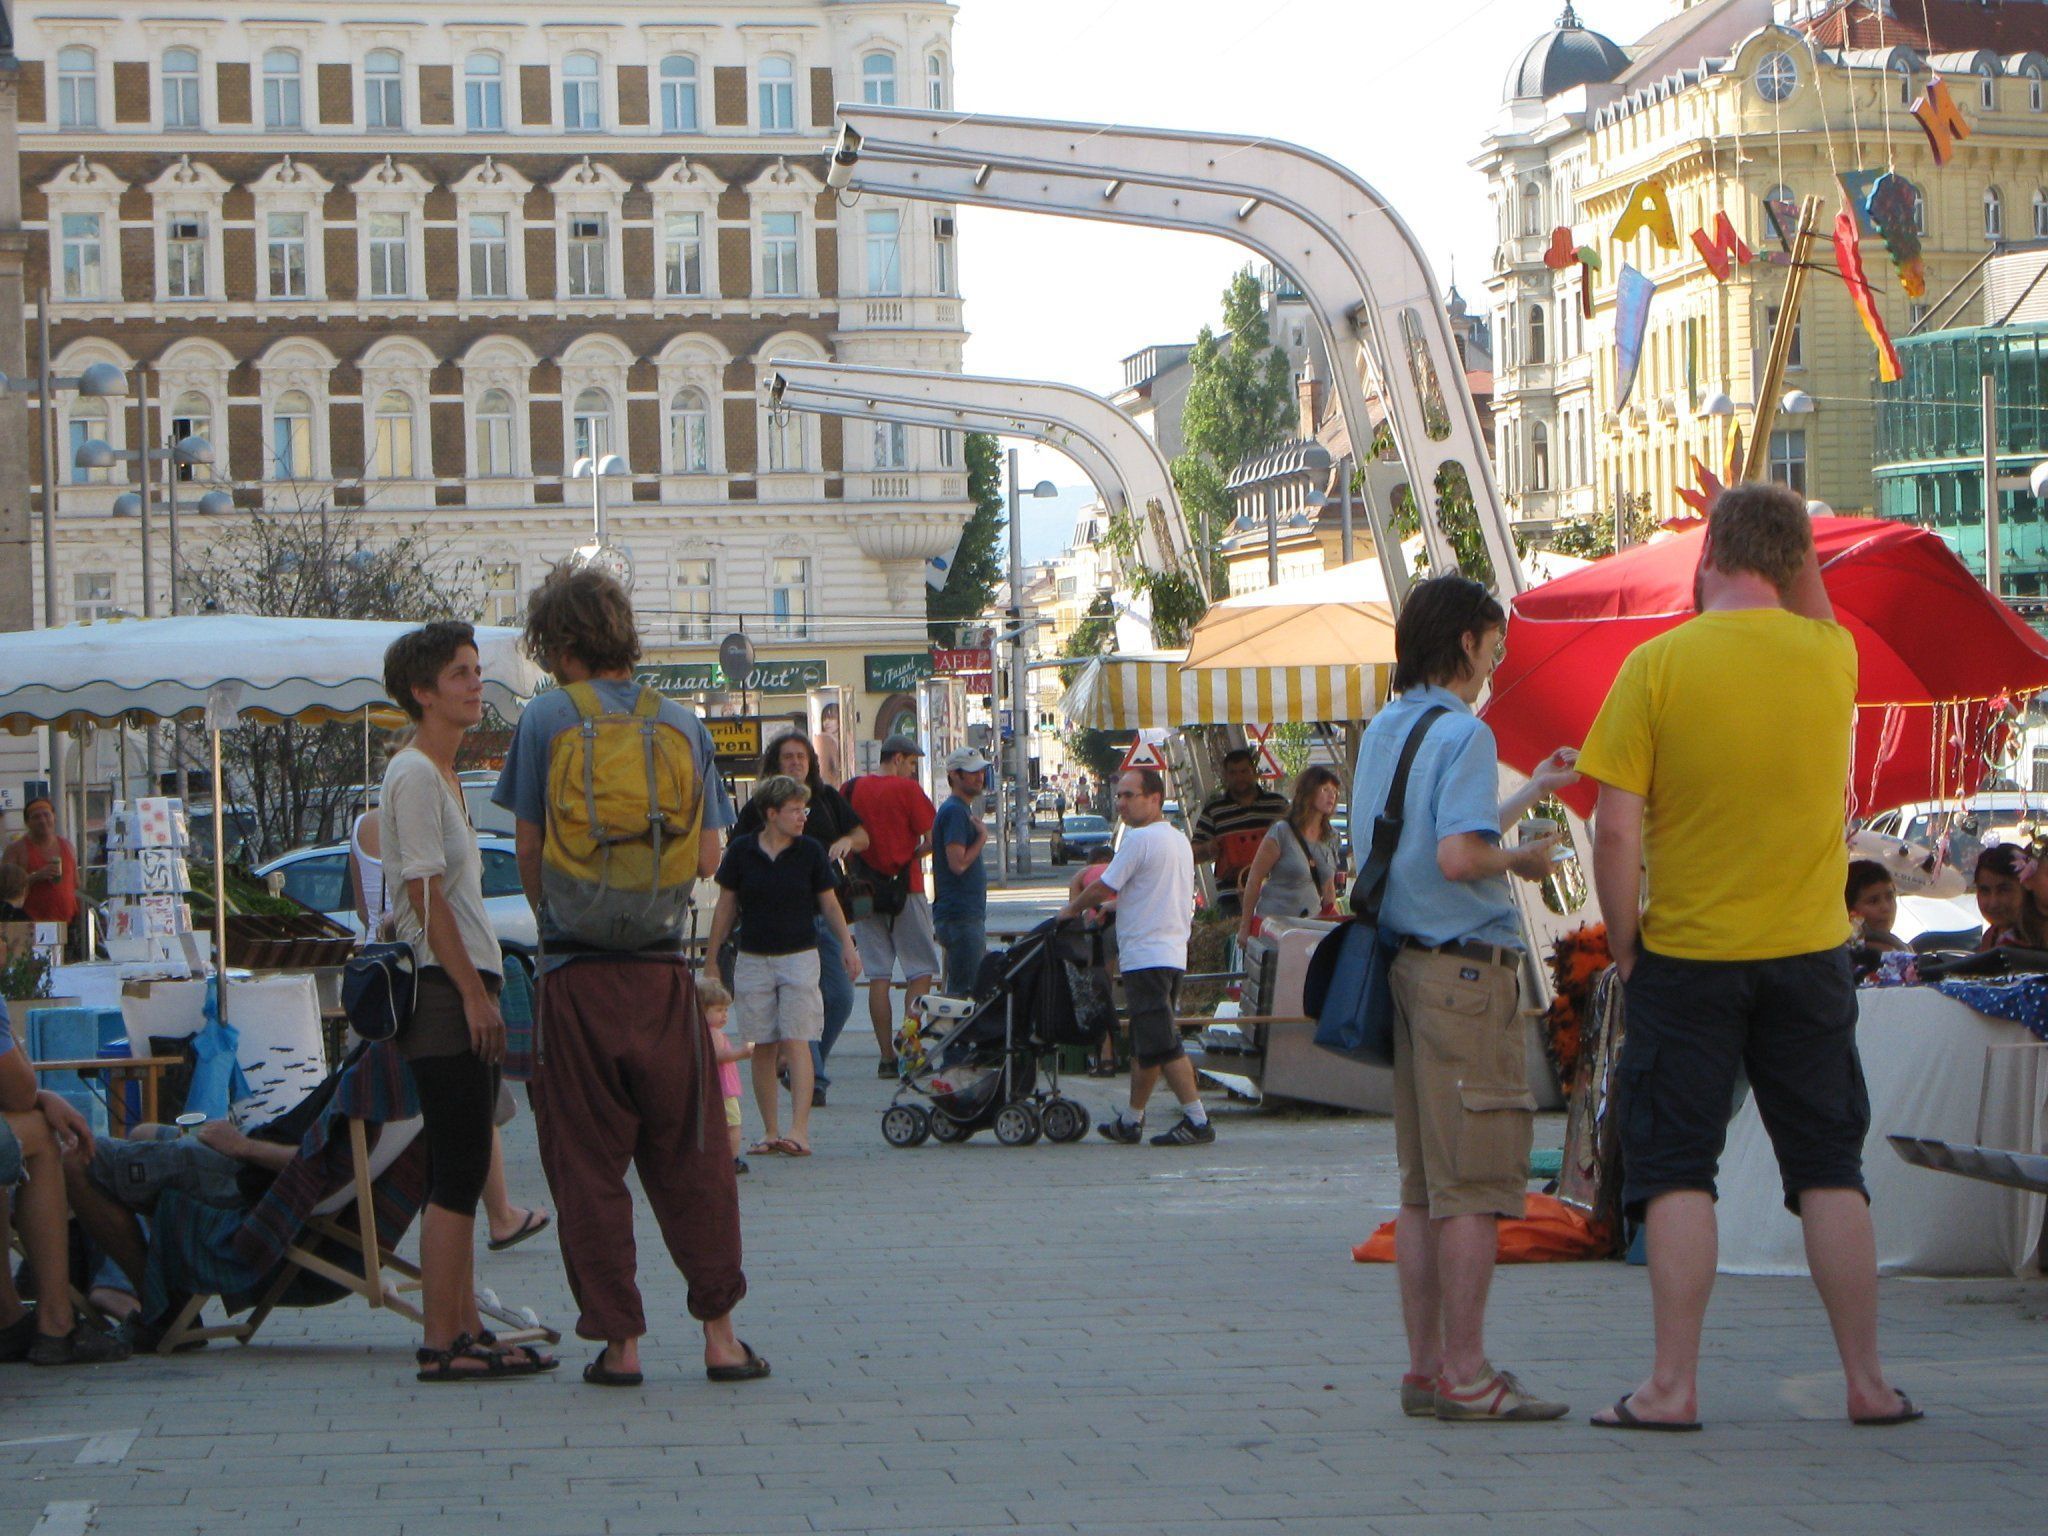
<point x="1155" y="692"/>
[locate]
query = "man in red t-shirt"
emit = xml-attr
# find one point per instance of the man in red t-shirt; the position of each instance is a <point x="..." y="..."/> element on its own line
<point x="898" y="815"/>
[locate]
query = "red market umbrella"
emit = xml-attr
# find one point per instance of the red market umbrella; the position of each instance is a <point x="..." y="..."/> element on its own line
<point x="1940" y="659"/>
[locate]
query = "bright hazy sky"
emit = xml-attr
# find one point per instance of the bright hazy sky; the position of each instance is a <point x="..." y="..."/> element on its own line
<point x="1399" y="92"/>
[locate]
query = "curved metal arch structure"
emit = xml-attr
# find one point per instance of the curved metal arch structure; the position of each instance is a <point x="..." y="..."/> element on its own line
<point x="1355" y="261"/>
<point x="1123" y="463"/>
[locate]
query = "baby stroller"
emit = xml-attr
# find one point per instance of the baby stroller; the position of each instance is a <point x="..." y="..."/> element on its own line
<point x="972" y="1064"/>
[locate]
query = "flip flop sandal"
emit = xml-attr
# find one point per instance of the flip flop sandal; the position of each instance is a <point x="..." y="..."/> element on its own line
<point x="790" y="1148"/>
<point x="767" y="1148"/>
<point x="535" y="1222"/>
<point x="598" y="1374"/>
<point x="1625" y="1418"/>
<point x="1906" y="1413"/>
<point x="755" y="1368"/>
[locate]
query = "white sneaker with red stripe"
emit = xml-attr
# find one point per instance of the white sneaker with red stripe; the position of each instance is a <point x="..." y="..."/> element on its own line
<point x="1497" y="1397"/>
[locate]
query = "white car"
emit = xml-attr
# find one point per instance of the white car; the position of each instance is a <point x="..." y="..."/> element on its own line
<point x="1992" y="811"/>
<point x="319" y="878"/>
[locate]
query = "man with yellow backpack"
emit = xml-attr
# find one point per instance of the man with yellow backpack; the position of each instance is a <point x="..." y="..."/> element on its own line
<point x="620" y="812"/>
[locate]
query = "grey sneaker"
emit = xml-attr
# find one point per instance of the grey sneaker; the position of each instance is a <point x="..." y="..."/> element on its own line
<point x="83" y="1345"/>
<point x="1418" y="1396"/>
<point x="1121" y="1131"/>
<point x="1186" y="1134"/>
<point x="1495" y="1398"/>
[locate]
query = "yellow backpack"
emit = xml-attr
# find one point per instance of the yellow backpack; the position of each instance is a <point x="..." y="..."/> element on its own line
<point x="625" y="807"/>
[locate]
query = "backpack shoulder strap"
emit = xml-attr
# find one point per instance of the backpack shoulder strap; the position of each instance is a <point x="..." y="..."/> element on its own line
<point x="648" y="705"/>
<point x="584" y="697"/>
<point x="1371" y="884"/>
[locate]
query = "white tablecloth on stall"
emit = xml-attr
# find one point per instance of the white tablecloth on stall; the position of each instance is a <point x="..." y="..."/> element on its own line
<point x="1924" y="1057"/>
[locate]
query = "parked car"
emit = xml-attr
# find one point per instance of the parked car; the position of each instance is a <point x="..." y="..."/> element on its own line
<point x="1079" y="834"/>
<point x="319" y="878"/>
<point x="478" y="784"/>
<point x="1993" y="811"/>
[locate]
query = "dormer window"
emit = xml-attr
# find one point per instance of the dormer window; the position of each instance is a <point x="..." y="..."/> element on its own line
<point x="1777" y="77"/>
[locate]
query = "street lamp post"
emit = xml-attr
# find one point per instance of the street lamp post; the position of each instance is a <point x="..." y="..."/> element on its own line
<point x="186" y="451"/>
<point x="1020" y="760"/>
<point x="599" y="552"/>
<point x="98" y="381"/>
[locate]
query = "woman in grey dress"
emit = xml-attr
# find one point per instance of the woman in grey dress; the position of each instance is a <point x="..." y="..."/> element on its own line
<point x="1294" y="873"/>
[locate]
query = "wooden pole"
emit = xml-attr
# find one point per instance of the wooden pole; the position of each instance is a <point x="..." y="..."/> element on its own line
<point x="1756" y="462"/>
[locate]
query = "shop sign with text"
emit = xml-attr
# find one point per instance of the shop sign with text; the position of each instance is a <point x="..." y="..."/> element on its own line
<point x="770" y="675"/>
<point x="898" y="673"/>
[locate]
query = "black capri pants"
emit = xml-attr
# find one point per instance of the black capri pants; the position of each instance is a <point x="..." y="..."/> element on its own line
<point x="458" y="1093"/>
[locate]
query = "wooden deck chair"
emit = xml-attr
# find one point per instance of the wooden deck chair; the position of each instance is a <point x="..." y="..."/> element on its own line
<point x="346" y="1220"/>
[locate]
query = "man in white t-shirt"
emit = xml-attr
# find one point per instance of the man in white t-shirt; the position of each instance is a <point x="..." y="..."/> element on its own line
<point x="1152" y="879"/>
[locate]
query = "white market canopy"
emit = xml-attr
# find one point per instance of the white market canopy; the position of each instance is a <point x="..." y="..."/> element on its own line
<point x="1154" y="691"/>
<point x="263" y="669"/>
<point x="1336" y="615"/>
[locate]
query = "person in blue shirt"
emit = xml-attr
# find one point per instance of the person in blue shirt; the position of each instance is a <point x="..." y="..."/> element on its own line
<point x="1463" y="1113"/>
<point x="959" y="878"/>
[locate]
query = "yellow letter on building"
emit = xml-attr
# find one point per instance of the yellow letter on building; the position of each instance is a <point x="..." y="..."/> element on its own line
<point x="1648" y="208"/>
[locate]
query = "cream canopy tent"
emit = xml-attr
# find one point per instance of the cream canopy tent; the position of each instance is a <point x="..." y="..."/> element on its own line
<point x="1156" y="691"/>
<point x="1338" y="615"/>
<point x="222" y="667"/>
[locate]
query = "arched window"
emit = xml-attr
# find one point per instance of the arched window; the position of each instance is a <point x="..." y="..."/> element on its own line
<point x="689" y="428"/>
<point x="391" y="444"/>
<point x="291" y="437"/>
<point x="1994" y="214"/>
<point x="935" y="81"/>
<point x="591" y="433"/>
<point x="1532" y="208"/>
<point x="1539" y="457"/>
<point x="181" y="88"/>
<point x="1538" y="351"/>
<point x="1904" y="69"/>
<point x="2041" y="213"/>
<point x="78" y="88"/>
<point x="88" y="417"/>
<point x="283" y="95"/>
<point x="679" y="94"/>
<point x="494" y="433"/>
<point x="483" y="93"/>
<point x="192" y="416"/>
<point x="383" y="89"/>
<point x="878" y="79"/>
<point x="2033" y="74"/>
<point x="1987" y="86"/>
<point x="582" y="111"/>
<point x="777" y="95"/>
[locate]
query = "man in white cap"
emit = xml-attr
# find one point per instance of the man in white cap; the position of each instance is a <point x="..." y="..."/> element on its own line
<point x="959" y="879"/>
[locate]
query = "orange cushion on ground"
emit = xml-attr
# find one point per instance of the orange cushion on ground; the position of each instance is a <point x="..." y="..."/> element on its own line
<point x="1550" y="1232"/>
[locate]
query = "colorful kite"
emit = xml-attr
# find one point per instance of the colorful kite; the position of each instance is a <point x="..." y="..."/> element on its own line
<point x="1849" y="257"/>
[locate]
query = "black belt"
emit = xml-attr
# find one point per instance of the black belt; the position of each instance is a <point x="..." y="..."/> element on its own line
<point x="1485" y="954"/>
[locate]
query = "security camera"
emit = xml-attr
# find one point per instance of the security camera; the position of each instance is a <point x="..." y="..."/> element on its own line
<point x="776" y="388"/>
<point x="845" y="155"/>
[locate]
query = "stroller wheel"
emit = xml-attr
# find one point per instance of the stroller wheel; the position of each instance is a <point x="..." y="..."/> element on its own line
<point x="906" y="1125"/>
<point x="1017" y="1124"/>
<point x="946" y="1129"/>
<point x="1063" y="1120"/>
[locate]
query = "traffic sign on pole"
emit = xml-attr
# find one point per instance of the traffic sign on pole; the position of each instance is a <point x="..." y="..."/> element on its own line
<point x="1144" y="754"/>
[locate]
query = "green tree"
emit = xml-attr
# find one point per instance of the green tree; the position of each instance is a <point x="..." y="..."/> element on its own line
<point x="1094" y="635"/>
<point x="1240" y="403"/>
<point x="316" y="561"/>
<point x="978" y="564"/>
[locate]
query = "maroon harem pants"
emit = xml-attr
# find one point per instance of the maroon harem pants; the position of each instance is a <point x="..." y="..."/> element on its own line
<point x="626" y="1075"/>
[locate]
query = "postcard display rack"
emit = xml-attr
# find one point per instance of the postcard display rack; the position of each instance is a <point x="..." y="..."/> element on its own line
<point x="149" y="921"/>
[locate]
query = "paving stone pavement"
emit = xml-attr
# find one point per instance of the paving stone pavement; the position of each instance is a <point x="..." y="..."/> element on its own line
<point x="1082" y="1339"/>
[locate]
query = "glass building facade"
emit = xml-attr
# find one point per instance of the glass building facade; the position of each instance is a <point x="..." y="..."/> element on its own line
<point x="1930" y="447"/>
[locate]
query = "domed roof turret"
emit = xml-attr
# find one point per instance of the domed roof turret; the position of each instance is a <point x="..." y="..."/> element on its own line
<point x="1566" y="56"/>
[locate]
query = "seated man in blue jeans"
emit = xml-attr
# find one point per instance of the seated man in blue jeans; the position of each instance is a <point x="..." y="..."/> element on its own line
<point x="119" y="1182"/>
<point x="36" y="1129"/>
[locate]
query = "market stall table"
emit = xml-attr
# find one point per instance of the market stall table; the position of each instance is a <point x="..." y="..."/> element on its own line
<point x="118" y="1070"/>
<point x="1937" y="1069"/>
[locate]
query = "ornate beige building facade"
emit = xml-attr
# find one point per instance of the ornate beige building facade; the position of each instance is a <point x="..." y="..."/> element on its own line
<point x="420" y="266"/>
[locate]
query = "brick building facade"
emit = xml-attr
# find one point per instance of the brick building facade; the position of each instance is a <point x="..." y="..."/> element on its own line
<point x="420" y="266"/>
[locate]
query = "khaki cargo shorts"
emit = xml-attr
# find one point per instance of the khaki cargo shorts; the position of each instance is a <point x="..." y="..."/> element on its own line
<point x="1463" y="1114"/>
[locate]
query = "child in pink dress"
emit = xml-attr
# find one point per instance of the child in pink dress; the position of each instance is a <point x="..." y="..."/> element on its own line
<point x="715" y="1003"/>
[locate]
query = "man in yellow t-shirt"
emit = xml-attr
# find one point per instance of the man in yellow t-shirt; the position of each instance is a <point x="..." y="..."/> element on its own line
<point x="1722" y="753"/>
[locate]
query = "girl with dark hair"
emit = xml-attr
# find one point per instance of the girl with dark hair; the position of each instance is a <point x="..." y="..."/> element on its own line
<point x="1294" y="873"/>
<point x="833" y="823"/>
<point x="2004" y="884"/>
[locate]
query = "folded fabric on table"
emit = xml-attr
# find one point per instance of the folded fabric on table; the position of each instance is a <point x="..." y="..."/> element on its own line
<point x="2023" y="1000"/>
